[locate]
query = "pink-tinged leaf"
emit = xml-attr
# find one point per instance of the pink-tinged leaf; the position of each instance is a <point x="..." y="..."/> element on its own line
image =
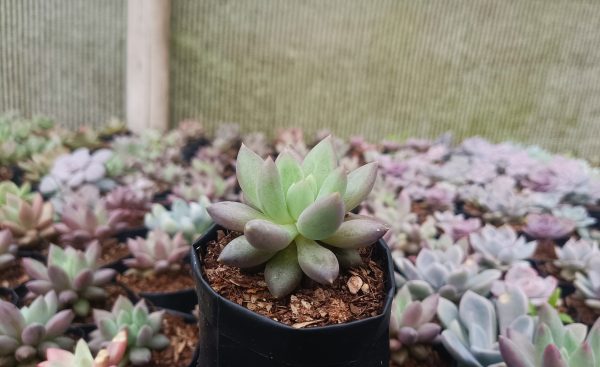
<point x="552" y="357"/>
<point x="143" y="259"/>
<point x="428" y="332"/>
<point x="268" y="236"/>
<point x="35" y="269"/>
<point x="233" y="215"/>
<point x="59" y="278"/>
<point x="240" y="253"/>
<point x="117" y="347"/>
<point x="583" y="356"/>
<point x="46" y="216"/>
<point x="289" y="169"/>
<point x="319" y="263"/>
<point x="323" y="218"/>
<point x="67" y="297"/>
<point x="103" y="276"/>
<point x="360" y="184"/>
<point x="247" y="168"/>
<point x="336" y="181"/>
<point x="320" y="161"/>
<point x="92" y="253"/>
<point x="430" y="305"/>
<point x="271" y="195"/>
<point x="59" y="355"/>
<point x="12" y="320"/>
<point x="412" y="314"/>
<point x="93" y="293"/>
<point x="26" y="215"/>
<point x="39" y="287"/>
<point x="357" y="233"/>
<point x="512" y="355"/>
<point x="83" y="280"/>
<point x="14" y="228"/>
<point x="59" y="323"/>
<point x="33" y="334"/>
<point x="8" y="345"/>
<point x="407" y="336"/>
<point x="100" y="315"/>
<point x="178" y="255"/>
<point x="283" y="273"/>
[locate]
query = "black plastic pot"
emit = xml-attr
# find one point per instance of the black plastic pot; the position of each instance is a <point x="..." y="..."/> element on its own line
<point x="124" y="235"/>
<point x="233" y="336"/>
<point x="183" y="301"/>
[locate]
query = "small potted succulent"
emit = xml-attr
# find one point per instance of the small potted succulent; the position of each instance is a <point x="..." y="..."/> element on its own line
<point x="159" y="271"/>
<point x="280" y="288"/>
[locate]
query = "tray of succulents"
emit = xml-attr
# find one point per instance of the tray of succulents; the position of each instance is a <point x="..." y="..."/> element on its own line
<point x="290" y="277"/>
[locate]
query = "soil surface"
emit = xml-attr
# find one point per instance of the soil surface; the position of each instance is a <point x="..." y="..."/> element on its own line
<point x="579" y="311"/>
<point x="13" y="276"/>
<point x="165" y="282"/>
<point x="183" y="337"/>
<point x="545" y="250"/>
<point x="113" y="251"/>
<point x="310" y="305"/>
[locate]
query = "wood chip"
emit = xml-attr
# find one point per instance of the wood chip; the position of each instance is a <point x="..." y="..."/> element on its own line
<point x="354" y="284"/>
<point x="301" y="325"/>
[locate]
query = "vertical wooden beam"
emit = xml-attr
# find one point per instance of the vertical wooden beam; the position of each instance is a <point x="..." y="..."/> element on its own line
<point x="148" y="64"/>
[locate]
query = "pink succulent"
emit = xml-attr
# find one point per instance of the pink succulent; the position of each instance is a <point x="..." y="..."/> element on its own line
<point x="129" y="204"/>
<point x="548" y="226"/>
<point x="524" y="277"/>
<point x="456" y="226"/>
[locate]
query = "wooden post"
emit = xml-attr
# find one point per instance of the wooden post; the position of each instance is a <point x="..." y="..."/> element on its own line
<point x="148" y="64"/>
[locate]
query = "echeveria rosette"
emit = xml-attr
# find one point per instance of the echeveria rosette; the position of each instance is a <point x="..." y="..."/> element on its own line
<point x="130" y="205"/>
<point x="142" y="327"/>
<point x="191" y="219"/>
<point x="8" y="187"/>
<point x="30" y="222"/>
<point x="412" y="326"/>
<point x="112" y="356"/>
<point x="472" y="329"/>
<point x="500" y="247"/>
<point x="456" y="225"/>
<point x="552" y="344"/>
<point x="521" y="275"/>
<point x="589" y="284"/>
<point x="158" y="253"/>
<point x="74" y="275"/>
<point x="8" y="249"/>
<point x="547" y="226"/>
<point x="575" y="256"/>
<point x="294" y="216"/>
<point x="26" y="333"/>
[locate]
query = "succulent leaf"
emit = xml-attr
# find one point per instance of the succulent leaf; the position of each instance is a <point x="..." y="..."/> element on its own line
<point x="283" y="273"/>
<point x="240" y="253"/>
<point x="319" y="263"/>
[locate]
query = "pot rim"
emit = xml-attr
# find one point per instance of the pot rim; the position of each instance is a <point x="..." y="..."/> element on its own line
<point x="196" y="263"/>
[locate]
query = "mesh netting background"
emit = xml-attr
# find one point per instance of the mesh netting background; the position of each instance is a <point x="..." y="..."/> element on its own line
<point x="526" y="70"/>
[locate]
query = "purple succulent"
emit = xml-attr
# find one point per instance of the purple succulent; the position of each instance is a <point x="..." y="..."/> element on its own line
<point x="128" y="204"/>
<point x="524" y="277"/>
<point x="456" y="226"/>
<point x="441" y="195"/>
<point x="547" y="226"/>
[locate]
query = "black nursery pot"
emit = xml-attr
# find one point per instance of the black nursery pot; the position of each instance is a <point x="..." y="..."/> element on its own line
<point x="233" y="336"/>
<point x="183" y="301"/>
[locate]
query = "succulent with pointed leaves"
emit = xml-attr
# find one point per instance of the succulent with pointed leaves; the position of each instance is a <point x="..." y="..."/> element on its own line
<point x="472" y="329"/>
<point x="552" y="344"/>
<point x="8" y="249"/>
<point x="74" y="276"/>
<point x="589" y="284"/>
<point x="143" y="329"/>
<point x="575" y="256"/>
<point x="205" y="181"/>
<point x="499" y="247"/>
<point x="521" y="275"/>
<point x="158" y="253"/>
<point x="111" y="356"/>
<point x="191" y="219"/>
<point x="26" y="334"/>
<point x="130" y="205"/>
<point x="29" y="222"/>
<point x="547" y="226"/>
<point x="78" y="168"/>
<point x="449" y="273"/>
<point x="292" y="205"/>
<point x="9" y="187"/>
<point x="81" y="225"/>
<point x="412" y="325"/>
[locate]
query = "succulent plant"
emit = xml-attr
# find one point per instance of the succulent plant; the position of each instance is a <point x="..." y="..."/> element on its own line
<point x="547" y="226"/>
<point x="8" y="249"/>
<point x="191" y="219"/>
<point x="74" y="276"/>
<point x="77" y="168"/>
<point x="83" y="138"/>
<point x="456" y="225"/>
<point x="441" y="195"/>
<point x="411" y="325"/>
<point x="40" y="164"/>
<point x="499" y="247"/>
<point x="29" y="222"/>
<point x="205" y="181"/>
<point x="500" y="200"/>
<point x="472" y="328"/>
<point x="9" y="187"/>
<point x="575" y="256"/>
<point x="112" y="356"/>
<point x="589" y="284"/>
<point x="578" y="215"/>
<point x="26" y="333"/>
<point x="449" y="273"/>
<point x="552" y="344"/>
<point x="291" y="138"/>
<point x="521" y="275"/>
<point x="128" y="204"/>
<point x="81" y="225"/>
<point x="158" y="253"/>
<point x="21" y="138"/>
<point x="292" y="205"/>
<point x="258" y="143"/>
<point x="143" y="329"/>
